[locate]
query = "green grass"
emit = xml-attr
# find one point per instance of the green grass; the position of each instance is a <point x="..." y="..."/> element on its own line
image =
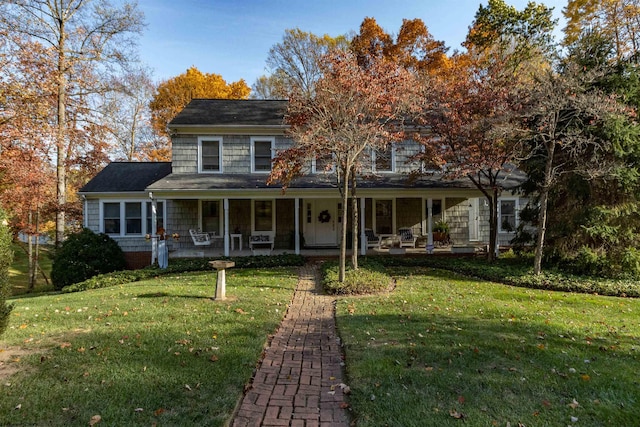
<point x="146" y="353"/>
<point x="19" y="270"/>
<point x="442" y="347"/>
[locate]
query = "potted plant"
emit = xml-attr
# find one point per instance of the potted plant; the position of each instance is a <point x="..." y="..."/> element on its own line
<point x="440" y="231"/>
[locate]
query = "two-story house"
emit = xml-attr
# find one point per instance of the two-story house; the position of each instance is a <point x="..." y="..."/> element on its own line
<point x="217" y="183"/>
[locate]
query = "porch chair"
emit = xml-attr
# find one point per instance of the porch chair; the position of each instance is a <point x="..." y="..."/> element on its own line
<point x="407" y="238"/>
<point x="373" y="241"/>
<point x="200" y="238"/>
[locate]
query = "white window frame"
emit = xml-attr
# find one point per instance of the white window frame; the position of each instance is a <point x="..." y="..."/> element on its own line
<point x="314" y="166"/>
<point x="255" y="139"/>
<point x="123" y="219"/>
<point x="374" y="154"/>
<point x="516" y="208"/>
<point x="202" y="139"/>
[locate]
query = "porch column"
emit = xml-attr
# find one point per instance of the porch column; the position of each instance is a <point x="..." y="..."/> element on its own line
<point x="225" y="203"/>
<point x="296" y="217"/>
<point x="154" y="228"/>
<point x="363" y="234"/>
<point x="429" y="225"/>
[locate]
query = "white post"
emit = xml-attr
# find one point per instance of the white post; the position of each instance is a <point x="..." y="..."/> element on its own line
<point x="363" y="234"/>
<point x="429" y="246"/>
<point x="225" y="204"/>
<point x="154" y="228"/>
<point x="297" y="225"/>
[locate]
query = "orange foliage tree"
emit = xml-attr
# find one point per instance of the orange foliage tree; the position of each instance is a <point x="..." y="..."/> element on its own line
<point x="351" y="111"/>
<point x="172" y="95"/>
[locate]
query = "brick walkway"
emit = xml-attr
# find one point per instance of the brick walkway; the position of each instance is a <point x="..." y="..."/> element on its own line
<point x="299" y="380"/>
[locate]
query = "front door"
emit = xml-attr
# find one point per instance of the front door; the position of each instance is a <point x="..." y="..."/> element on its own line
<point x="474" y="219"/>
<point x="322" y="226"/>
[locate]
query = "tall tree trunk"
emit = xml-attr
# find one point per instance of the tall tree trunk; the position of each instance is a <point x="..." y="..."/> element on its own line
<point x="354" y="227"/>
<point x="61" y="153"/>
<point x="30" y="252"/>
<point x="544" y="202"/>
<point x="493" y="225"/>
<point x="343" y="240"/>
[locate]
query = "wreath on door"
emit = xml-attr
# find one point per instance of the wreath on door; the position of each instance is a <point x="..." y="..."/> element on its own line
<point x="324" y="216"/>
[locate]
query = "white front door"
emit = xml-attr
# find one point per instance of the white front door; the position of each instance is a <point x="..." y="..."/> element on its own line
<point x="322" y="227"/>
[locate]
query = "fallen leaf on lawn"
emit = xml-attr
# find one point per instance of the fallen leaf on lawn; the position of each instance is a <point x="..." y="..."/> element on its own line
<point x="65" y="345"/>
<point x="240" y="311"/>
<point x="95" y="420"/>
<point x="429" y="368"/>
<point x="187" y="386"/>
<point x="138" y="410"/>
<point x="585" y="377"/>
<point x="574" y="419"/>
<point x="213" y="358"/>
<point x="344" y="405"/>
<point x="574" y="404"/>
<point x="18" y="406"/>
<point x="158" y="411"/>
<point x="81" y="350"/>
<point x="455" y="414"/>
<point x="345" y="388"/>
<point x="460" y="399"/>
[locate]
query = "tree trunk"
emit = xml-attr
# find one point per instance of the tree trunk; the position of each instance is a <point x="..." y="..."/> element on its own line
<point x="30" y="252"/>
<point x="61" y="154"/>
<point x="354" y="227"/>
<point x="343" y="240"/>
<point x="544" y="202"/>
<point x="493" y="225"/>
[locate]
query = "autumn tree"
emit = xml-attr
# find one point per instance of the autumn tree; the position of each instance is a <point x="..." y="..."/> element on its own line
<point x="470" y="113"/>
<point x="564" y="113"/>
<point x="351" y="111"/>
<point x="85" y="38"/>
<point x="127" y="117"/>
<point x="293" y="63"/>
<point x="172" y="95"/>
<point x="616" y="20"/>
<point x="413" y="48"/>
<point x="6" y="258"/>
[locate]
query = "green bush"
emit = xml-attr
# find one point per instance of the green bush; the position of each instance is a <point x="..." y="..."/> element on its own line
<point x="84" y="255"/>
<point x="369" y="278"/>
<point x="6" y="258"/>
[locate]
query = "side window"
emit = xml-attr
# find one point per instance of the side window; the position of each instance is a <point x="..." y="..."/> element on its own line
<point x="261" y="154"/>
<point x="210" y="155"/>
<point x="111" y="218"/>
<point x="508" y="219"/>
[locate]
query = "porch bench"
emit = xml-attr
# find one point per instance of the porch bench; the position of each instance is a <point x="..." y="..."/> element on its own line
<point x="261" y="239"/>
<point x="199" y="238"/>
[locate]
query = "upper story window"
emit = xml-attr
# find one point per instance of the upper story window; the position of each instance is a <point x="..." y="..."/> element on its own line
<point x="384" y="160"/>
<point x="261" y="154"/>
<point x="323" y="164"/>
<point x="210" y="154"/>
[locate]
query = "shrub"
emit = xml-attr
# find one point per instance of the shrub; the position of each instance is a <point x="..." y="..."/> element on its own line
<point x="84" y="255"/>
<point x="369" y="278"/>
<point x="6" y="258"/>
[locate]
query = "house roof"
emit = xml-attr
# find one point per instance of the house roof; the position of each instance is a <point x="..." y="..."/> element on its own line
<point x="209" y="182"/>
<point x="231" y="112"/>
<point x="118" y="177"/>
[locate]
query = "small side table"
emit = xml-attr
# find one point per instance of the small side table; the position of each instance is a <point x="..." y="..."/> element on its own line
<point x="233" y="242"/>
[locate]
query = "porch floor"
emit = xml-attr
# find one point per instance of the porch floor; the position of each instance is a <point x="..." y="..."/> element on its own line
<point x="212" y="252"/>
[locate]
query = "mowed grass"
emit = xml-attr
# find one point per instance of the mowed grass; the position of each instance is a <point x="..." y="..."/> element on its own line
<point x="19" y="270"/>
<point x="158" y="352"/>
<point x="442" y="350"/>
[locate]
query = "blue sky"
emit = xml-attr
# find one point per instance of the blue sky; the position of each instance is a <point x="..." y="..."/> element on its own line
<point x="233" y="38"/>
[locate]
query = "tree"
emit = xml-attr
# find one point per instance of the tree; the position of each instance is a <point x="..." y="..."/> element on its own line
<point x="563" y="114"/>
<point x="616" y="20"/>
<point x="172" y="95"/>
<point x="351" y="111"/>
<point x="269" y="87"/>
<point x="6" y="258"/>
<point x="414" y="47"/>
<point x="293" y="63"/>
<point x="470" y="113"/>
<point x="127" y="116"/>
<point x="85" y="37"/>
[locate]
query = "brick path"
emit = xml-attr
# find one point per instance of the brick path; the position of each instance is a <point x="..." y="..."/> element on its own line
<point x="298" y="382"/>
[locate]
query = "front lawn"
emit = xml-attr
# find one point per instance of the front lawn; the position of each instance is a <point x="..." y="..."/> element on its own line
<point x="155" y="352"/>
<point x="446" y="350"/>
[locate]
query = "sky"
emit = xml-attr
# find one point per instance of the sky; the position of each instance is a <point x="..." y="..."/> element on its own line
<point x="232" y="38"/>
